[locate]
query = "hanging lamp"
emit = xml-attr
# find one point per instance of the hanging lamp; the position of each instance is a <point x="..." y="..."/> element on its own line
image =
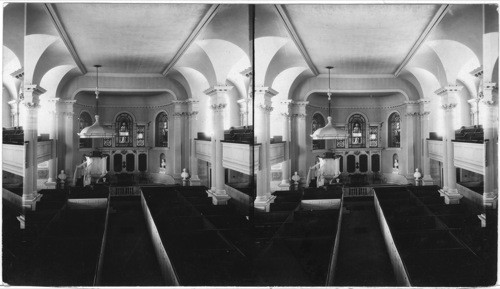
<point x="328" y="131"/>
<point x="96" y="130"/>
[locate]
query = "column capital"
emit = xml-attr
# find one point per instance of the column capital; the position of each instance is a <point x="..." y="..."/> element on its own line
<point x="298" y="115"/>
<point x="18" y="74"/>
<point x="217" y="89"/>
<point x="266" y="91"/>
<point x="13" y="103"/>
<point x="449" y="106"/>
<point x="248" y="72"/>
<point x="413" y="114"/>
<point x="478" y="72"/>
<point x="299" y="103"/>
<point x="487" y="96"/>
<point x="446" y="89"/>
<point x="217" y="108"/>
<point x="68" y="114"/>
<point x="32" y="94"/>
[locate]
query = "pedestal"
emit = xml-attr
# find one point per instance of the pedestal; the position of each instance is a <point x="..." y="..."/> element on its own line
<point x="219" y="197"/>
<point x="452" y="197"/>
<point x="264" y="204"/>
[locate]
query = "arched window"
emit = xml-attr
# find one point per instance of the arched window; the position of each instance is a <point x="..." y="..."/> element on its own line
<point x="162" y="130"/>
<point x="84" y="121"/>
<point x="394" y="140"/>
<point x="318" y="121"/>
<point x="124" y="130"/>
<point x="357" y="131"/>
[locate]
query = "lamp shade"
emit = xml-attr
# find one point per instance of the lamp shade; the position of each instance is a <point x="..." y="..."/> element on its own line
<point x="329" y="132"/>
<point x="96" y="131"/>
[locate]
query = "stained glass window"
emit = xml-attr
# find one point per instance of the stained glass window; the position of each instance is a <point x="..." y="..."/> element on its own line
<point x="394" y="130"/>
<point x="162" y="130"/>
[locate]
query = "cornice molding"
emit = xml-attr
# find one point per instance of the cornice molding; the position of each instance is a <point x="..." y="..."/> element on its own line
<point x="280" y="10"/>
<point x="266" y="91"/>
<point x="18" y="74"/>
<point x="50" y="9"/>
<point x="449" y="88"/>
<point x="442" y="11"/>
<point x="212" y="11"/>
<point x="217" y="88"/>
<point x="357" y="76"/>
<point x="358" y="107"/>
<point x="478" y="72"/>
<point x="125" y="107"/>
<point x="247" y="72"/>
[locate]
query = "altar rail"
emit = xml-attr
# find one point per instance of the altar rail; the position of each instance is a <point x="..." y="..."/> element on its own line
<point x="358" y="191"/>
<point x="124" y="191"/>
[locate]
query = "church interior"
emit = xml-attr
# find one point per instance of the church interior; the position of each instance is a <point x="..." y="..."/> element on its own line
<point x="150" y="144"/>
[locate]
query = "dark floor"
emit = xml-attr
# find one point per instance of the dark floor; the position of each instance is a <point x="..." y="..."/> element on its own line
<point x="363" y="259"/>
<point x="129" y="258"/>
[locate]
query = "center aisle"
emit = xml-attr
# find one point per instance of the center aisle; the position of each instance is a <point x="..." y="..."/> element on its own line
<point x="129" y="259"/>
<point x="363" y="259"/>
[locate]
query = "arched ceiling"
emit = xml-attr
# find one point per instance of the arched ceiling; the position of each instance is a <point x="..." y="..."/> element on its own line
<point x="129" y="38"/>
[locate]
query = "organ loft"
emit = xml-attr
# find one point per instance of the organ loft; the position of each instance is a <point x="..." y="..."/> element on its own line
<point x="190" y="144"/>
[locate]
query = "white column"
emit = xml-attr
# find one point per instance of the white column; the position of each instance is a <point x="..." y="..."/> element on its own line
<point x="176" y="147"/>
<point x="285" y="167"/>
<point x="425" y="112"/>
<point x="31" y="102"/>
<point x="68" y="147"/>
<point x="53" y="136"/>
<point x="300" y="150"/>
<point x="218" y="105"/>
<point x="448" y="96"/>
<point x="245" y="111"/>
<point x="488" y="111"/>
<point x="193" y="161"/>
<point x="263" y="108"/>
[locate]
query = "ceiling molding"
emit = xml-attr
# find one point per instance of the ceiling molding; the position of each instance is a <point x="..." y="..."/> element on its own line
<point x="128" y="75"/>
<point x="295" y="37"/>
<point x="430" y="27"/>
<point x="212" y="11"/>
<point x="356" y="76"/>
<point x="50" y="9"/>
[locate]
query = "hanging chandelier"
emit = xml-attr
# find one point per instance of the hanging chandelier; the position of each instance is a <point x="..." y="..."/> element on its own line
<point x="96" y="130"/>
<point x="328" y="131"/>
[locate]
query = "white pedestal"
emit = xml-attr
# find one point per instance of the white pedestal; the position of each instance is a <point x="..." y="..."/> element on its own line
<point x="264" y="204"/>
<point x="218" y="197"/>
<point x="452" y="197"/>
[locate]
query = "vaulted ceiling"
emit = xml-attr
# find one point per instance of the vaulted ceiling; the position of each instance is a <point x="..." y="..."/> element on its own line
<point x="359" y="39"/>
<point x="129" y="38"/>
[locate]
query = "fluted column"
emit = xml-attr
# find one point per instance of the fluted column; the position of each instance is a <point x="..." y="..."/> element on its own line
<point x="176" y="146"/>
<point x="488" y="108"/>
<point x="218" y="105"/>
<point x="408" y="167"/>
<point x="285" y="167"/>
<point x="53" y="136"/>
<point x="300" y="148"/>
<point x="14" y="112"/>
<point x="67" y="146"/>
<point x="263" y="108"/>
<point x="31" y="102"/>
<point x="245" y="111"/>
<point x="193" y="161"/>
<point x="426" y="161"/>
<point x="448" y="96"/>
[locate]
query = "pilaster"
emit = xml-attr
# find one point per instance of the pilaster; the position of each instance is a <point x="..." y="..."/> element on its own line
<point x="426" y="162"/>
<point x="53" y="121"/>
